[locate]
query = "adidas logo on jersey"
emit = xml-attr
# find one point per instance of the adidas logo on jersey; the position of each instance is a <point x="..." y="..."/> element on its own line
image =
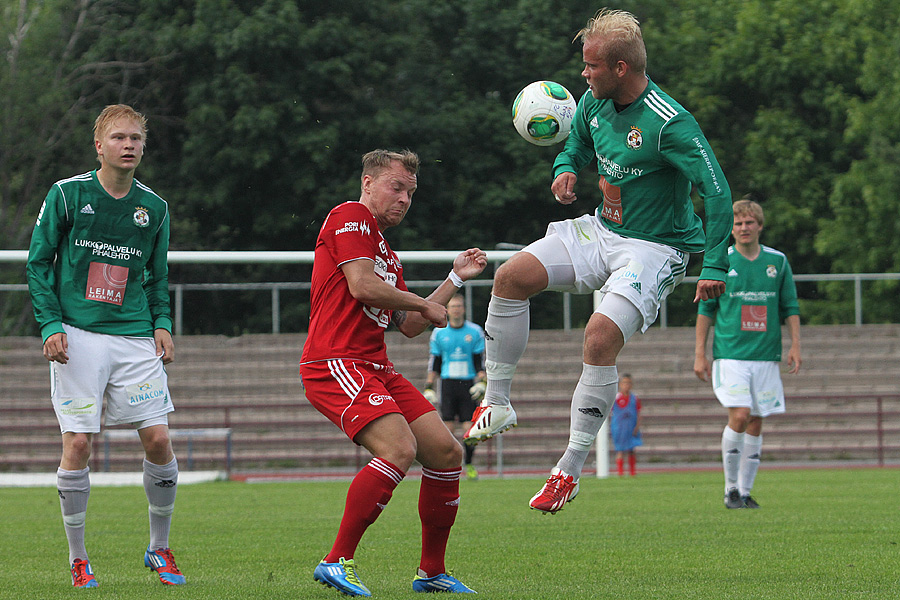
<point x="594" y="123"/>
<point x="636" y="285"/>
<point x="87" y="210"/>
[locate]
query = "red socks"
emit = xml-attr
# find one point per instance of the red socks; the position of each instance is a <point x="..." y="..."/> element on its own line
<point x="438" y="505"/>
<point x="369" y="493"/>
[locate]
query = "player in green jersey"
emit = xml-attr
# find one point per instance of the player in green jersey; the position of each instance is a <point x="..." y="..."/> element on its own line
<point x="98" y="280"/>
<point x="747" y="347"/>
<point x="633" y="249"/>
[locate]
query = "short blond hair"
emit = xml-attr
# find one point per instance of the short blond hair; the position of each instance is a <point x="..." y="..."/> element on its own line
<point x="377" y="161"/>
<point x="113" y="113"/>
<point x="747" y="207"/>
<point x="622" y="38"/>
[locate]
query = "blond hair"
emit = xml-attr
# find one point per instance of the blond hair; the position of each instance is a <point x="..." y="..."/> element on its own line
<point x="747" y="207"/>
<point x="377" y="161"/>
<point x="113" y="113"/>
<point x="621" y="35"/>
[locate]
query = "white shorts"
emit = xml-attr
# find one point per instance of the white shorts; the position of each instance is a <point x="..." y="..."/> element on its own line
<point x="123" y="370"/>
<point x="753" y="384"/>
<point x="598" y="259"/>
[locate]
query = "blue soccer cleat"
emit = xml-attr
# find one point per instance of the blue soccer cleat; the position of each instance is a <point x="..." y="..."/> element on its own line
<point x="341" y="576"/>
<point x="163" y="563"/>
<point x="441" y="583"/>
<point x="83" y="575"/>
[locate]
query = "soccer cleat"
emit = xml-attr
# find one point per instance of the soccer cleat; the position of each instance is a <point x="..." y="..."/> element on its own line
<point x="341" y="576"/>
<point x="749" y="502"/>
<point x="445" y="582"/>
<point x="471" y="473"/>
<point x="559" y="489"/>
<point x="733" y="499"/>
<point x="83" y="575"/>
<point x="163" y="563"/>
<point x="488" y="421"/>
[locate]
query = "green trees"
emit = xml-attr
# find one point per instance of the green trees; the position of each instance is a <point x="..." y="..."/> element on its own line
<point x="260" y="110"/>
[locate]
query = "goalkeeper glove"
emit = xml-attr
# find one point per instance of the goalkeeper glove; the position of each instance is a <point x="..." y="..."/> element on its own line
<point x="477" y="391"/>
<point x="430" y="395"/>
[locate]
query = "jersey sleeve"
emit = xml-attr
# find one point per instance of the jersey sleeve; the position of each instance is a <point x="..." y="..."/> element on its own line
<point x="156" y="278"/>
<point x="49" y="230"/>
<point x="349" y="235"/>
<point x="787" y="297"/>
<point x="684" y="146"/>
<point x="579" y="148"/>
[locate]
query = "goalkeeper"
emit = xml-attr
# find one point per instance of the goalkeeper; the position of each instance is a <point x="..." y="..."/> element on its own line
<point x="457" y="357"/>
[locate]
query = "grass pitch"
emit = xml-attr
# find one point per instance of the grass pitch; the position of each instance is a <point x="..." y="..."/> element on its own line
<point x="821" y="534"/>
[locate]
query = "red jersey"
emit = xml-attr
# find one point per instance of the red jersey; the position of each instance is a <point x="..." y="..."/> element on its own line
<point x="339" y="325"/>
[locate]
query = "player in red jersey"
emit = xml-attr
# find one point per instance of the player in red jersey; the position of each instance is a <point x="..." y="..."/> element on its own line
<point x="357" y="291"/>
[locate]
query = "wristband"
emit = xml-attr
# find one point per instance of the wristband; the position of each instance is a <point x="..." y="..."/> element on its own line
<point x="455" y="279"/>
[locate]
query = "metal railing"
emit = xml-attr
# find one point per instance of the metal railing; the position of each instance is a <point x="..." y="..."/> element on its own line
<point x="411" y="257"/>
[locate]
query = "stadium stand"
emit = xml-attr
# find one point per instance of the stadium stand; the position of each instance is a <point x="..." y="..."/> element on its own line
<point x="843" y="406"/>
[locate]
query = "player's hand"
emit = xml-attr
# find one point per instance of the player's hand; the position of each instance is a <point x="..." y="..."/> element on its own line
<point x="477" y="391"/>
<point x="470" y="263"/>
<point x="435" y="313"/>
<point x="702" y="369"/>
<point x="707" y="289"/>
<point x="430" y="395"/>
<point x="794" y="359"/>
<point x="165" y="347"/>
<point x="56" y="348"/>
<point x="563" y="188"/>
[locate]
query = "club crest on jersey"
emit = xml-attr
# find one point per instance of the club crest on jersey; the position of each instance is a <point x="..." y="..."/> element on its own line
<point x="771" y="271"/>
<point x="141" y="216"/>
<point x="634" y="139"/>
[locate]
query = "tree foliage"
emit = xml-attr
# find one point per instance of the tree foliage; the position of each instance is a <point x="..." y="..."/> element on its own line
<point x="260" y="110"/>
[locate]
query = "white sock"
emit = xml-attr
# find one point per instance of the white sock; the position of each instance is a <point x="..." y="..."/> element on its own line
<point x="732" y="446"/>
<point x="160" y="485"/>
<point x="74" y="490"/>
<point x="505" y="339"/>
<point x="591" y="403"/>
<point x="749" y="462"/>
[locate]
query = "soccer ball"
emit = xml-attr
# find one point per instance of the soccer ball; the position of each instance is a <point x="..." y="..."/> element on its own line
<point x="542" y="113"/>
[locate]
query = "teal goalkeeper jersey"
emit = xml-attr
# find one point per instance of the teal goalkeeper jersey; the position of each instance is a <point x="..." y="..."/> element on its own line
<point x="649" y="156"/>
<point x="759" y="295"/>
<point x="99" y="263"/>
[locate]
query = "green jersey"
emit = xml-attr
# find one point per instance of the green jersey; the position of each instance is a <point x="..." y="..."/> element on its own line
<point x="649" y="155"/>
<point x="759" y="295"/>
<point x="99" y="263"/>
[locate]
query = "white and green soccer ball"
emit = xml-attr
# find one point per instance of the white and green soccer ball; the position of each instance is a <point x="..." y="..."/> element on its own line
<point x="542" y="113"/>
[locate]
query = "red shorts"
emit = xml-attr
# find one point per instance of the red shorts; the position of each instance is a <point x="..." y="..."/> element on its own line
<point x="353" y="393"/>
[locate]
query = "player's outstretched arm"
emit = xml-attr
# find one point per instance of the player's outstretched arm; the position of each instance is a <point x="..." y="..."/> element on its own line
<point x="467" y="265"/>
